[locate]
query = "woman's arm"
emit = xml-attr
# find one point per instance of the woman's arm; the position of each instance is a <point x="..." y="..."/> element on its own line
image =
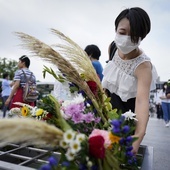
<point x="144" y="78"/>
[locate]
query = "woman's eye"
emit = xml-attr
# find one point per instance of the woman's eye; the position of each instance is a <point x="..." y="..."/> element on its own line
<point x="122" y="33"/>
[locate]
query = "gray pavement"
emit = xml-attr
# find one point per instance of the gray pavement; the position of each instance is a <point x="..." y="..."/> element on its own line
<point x="158" y="137"/>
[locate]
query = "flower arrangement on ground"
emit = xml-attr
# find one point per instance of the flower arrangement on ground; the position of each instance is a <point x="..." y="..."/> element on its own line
<point x="88" y="133"/>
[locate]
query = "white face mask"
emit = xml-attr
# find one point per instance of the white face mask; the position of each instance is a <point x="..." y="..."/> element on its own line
<point x="124" y="43"/>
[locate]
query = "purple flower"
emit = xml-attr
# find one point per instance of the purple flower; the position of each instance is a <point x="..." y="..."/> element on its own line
<point x="66" y="163"/>
<point x="116" y="123"/>
<point x="71" y="109"/>
<point x="77" y="117"/>
<point x="88" y="102"/>
<point x="97" y="119"/>
<point x="53" y="161"/>
<point x="129" y="154"/>
<point x="116" y="130"/>
<point x="81" y="106"/>
<point x="129" y="139"/>
<point x="45" y="167"/>
<point x="82" y="92"/>
<point x="89" y="117"/>
<point x="122" y="141"/>
<point x="125" y="129"/>
<point x="130" y="162"/>
<point x="122" y="119"/>
<point x="82" y="167"/>
<point x="129" y="148"/>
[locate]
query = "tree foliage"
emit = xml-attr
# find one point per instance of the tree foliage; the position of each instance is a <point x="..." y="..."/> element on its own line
<point x="8" y="66"/>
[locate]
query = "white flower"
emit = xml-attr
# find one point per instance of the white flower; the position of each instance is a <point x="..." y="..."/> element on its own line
<point x="87" y="158"/>
<point x="15" y="111"/>
<point x="63" y="144"/>
<point x="69" y="155"/>
<point x="33" y="111"/>
<point x="23" y="104"/>
<point x="68" y="136"/>
<point x="64" y="115"/>
<point x="80" y="137"/>
<point x="66" y="103"/>
<point x="89" y="164"/>
<point x="88" y="105"/>
<point x="75" y="146"/>
<point x="129" y="115"/>
<point x="78" y="99"/>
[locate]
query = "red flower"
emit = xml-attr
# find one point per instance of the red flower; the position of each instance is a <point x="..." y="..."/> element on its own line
<point x="96" y="147"/>
<point x="93" y="86"/>
<point x="48" y="116"/>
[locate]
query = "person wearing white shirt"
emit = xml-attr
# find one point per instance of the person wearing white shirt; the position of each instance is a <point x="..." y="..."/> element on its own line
<point x="6" y="90"/>
<point x="157" y="100"/>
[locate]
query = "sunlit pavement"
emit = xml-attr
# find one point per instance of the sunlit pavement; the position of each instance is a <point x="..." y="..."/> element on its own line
<point x="158" y="137"/>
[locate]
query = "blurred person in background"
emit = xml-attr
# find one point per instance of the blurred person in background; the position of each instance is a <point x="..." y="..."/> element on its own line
<point x="157" y="101"/>
<point x="94" y="54"/>
<point x="6" y="90"/>
<point x="165" y="103"/>
<point x="19" y="80"/>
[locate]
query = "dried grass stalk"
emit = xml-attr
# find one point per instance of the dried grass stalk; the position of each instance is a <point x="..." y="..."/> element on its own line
<point x="77" y="62"/>
<point x="29" y="131"/>
<point x="77" y="56"/>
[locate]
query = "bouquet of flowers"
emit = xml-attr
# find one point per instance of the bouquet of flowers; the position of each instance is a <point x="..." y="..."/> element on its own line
<point x="88" y="133"/>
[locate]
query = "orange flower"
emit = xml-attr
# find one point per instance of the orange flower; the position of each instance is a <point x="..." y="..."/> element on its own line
<point x="113" y="138"/>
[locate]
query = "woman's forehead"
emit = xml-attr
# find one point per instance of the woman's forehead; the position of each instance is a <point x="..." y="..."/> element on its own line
<point x="124" y="25"/>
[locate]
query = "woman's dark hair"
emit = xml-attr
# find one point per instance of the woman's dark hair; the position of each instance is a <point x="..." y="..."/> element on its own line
<point x="5" y="75"/>
<point x="139" y="20"/>
<point x="163" y="86"/>
<point x="26" y="60"/>
<point x="93" y="51"/>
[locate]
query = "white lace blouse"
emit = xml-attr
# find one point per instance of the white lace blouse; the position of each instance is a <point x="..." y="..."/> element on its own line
<point x="119" y="76"/>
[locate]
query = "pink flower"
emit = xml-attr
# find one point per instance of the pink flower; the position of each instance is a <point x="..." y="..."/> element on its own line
<point x="104" y="134"/>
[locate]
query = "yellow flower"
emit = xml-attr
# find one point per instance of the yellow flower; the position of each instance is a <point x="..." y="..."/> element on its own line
<point x="39" y="112"/>
<point x="113" y="138"/>
<point x="25" y="111"/>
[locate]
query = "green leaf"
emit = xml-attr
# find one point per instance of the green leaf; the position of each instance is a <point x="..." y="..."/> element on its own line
<point x="113" y="114"/>
<point x="73" y="89"/>
<point x="108" y="99"/>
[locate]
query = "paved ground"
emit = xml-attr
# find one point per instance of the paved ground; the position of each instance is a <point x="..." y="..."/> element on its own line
<point x="158" y="137"/>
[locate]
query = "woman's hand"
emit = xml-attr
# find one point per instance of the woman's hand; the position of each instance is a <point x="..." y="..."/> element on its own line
<point x="135" y="145"/>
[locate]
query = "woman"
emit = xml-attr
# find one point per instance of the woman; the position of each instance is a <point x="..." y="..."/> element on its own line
<point x="165" y="103"/>
<point x="130" y="75"/>
<point x="6" y="90"/>
<point x="19" y="82"/>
